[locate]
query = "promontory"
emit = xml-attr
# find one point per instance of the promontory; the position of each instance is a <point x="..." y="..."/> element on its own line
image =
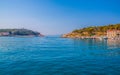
<point x="19" y="32"/>
<point x="107" y="31"/>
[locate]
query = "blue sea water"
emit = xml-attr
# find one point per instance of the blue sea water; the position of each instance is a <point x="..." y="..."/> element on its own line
<point x="58" y="56"/>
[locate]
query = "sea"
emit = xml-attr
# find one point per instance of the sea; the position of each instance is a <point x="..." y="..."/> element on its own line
<point x="53" y="55"/>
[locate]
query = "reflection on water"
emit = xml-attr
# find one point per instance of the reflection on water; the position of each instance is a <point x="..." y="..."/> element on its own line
<point x="59" y="56"/>
<point x="96" y="43"/>
<point x="112" y="43"/>
<point x="98" y="47"/>
<point x="90" y="44"/>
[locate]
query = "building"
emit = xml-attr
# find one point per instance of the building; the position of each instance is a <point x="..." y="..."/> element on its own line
<point x="4" y="33"/>
<point x="113" y="34"/>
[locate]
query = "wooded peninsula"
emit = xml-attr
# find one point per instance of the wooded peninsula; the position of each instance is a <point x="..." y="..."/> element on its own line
<point x="93" y="31"/>
<point x="19" y="32"/>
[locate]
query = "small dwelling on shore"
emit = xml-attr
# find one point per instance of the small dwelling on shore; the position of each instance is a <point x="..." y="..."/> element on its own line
<point x="113" y="34"/>
<point x="4" y="33"/>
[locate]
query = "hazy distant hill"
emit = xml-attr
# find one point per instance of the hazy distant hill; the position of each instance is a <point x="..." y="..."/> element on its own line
<point x="19" y="32"/>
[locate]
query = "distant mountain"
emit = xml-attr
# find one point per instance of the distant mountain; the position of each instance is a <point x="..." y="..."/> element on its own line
<point x="95" y="31"/>
<point x="19" y="32"/>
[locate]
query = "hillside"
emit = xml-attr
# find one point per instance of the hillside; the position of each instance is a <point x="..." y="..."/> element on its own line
<point x="18" y="32"/>
<point x="92" y="31"/>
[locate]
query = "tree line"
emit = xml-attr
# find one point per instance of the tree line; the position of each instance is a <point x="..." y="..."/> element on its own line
<point x="95" y="30"/>
<point x="19" y="32"/>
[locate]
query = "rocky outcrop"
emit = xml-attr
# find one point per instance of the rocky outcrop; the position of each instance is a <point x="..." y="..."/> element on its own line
<point x="19" y="32"/>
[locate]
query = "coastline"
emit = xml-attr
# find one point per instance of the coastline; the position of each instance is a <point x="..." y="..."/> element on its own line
<point x="74" y="35"/>
<point x="89" y="37"/>
<point x="101" y="32"/>
<point x="22" y="35"/>
<point x="19" y="33"/>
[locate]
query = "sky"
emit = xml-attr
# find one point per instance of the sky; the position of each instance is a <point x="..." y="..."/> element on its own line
<point x="53" y="17"/>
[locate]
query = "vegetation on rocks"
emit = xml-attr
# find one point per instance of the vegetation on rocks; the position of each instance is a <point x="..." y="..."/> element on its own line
<point x="92" y="31"/>
<point x="19" y="32"/>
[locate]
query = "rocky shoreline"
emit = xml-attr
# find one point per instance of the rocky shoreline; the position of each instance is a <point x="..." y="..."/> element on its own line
<point x="19" y="33"/>
<point x="76" y="35"/>
<point x="94" y="32"/>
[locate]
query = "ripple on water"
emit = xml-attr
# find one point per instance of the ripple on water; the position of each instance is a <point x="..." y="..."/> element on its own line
<point x="58" y="56"/>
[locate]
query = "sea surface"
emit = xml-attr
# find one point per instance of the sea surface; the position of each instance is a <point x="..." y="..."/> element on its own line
<point x="53" y="55"/>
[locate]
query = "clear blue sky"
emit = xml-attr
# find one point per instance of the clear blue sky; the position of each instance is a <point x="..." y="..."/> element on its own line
<point x="58" y="16"/>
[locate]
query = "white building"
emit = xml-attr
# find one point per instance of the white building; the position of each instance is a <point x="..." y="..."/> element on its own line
<point x="4" y="33"/>
<point x="112" y="34"/>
